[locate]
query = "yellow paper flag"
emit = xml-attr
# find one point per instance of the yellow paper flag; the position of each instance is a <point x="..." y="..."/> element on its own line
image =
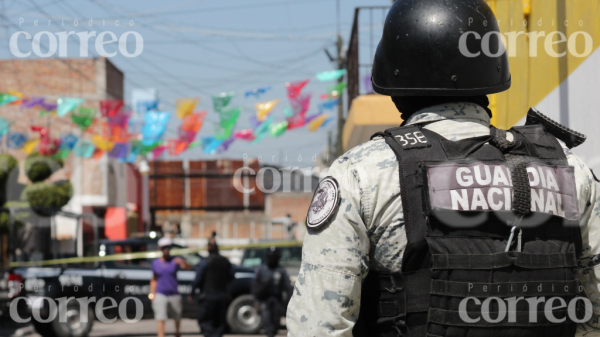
<point x="30" y="145"/>
<point x="15" y="93"/>
<point x="316" y="123"/>
<point x="263" y="109"/>
<point x="101" y="143"/>
<point x="185" y="106"/>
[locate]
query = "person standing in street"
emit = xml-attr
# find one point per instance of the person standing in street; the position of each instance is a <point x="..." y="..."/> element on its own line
<point x="164" y="294"/>
<point x="212" y="278"/>
<point x="270" y="282"/>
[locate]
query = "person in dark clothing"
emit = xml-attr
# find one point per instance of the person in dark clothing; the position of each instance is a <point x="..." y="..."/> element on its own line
<point x="212" y="278"/>
<point x="270" y="282"/>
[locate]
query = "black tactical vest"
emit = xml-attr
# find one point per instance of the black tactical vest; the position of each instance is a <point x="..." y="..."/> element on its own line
<point x="217" y="274"/>
<point x="486" y="219"/>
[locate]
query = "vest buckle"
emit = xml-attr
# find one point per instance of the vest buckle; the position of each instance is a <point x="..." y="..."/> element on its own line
<point x="393" y="289"/>
<point x="512" y="235"/>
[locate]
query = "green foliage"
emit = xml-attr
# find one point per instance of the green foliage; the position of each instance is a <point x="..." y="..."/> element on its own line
<point x="21" y="216"/>
<point x="7" y="164"/>
<point x="5" y="224"/>
<point x="48" y="196"/>
<point x="39" y="168"/>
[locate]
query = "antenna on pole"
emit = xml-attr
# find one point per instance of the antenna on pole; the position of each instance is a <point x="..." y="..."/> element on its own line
<point x="339" y="29"/>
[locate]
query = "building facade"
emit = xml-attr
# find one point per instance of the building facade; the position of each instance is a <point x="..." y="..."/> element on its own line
<point x="99" y="184"/>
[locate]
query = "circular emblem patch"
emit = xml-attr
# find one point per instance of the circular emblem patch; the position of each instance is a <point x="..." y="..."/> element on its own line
<point x="324" y="203"/>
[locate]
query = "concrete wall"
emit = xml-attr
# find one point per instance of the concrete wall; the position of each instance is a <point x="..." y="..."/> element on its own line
<point x="564" y="88"/>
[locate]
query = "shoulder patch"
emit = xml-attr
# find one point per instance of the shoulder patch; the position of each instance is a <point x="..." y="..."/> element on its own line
<point x="324" y="203"/>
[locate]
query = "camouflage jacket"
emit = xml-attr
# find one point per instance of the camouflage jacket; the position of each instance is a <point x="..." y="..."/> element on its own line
<point x="367" y="232"/>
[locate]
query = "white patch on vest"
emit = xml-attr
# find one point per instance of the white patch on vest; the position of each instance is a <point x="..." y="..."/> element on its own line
<point x="324" y="203"/>
<point x="493" y="205"/>
<point x="488" y="186"/>
<point x="488" y="177"/>
<point x="478" y="200"/>
<point x="462" y="199"/>
<point x="551" y="181"/>
<point x="499" y="177"/>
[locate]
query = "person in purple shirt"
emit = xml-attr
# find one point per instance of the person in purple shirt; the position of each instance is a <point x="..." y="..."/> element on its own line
<point x="163" y="287"/>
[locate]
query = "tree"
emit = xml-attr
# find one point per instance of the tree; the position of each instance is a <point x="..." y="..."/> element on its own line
<point x="45" y="198"/>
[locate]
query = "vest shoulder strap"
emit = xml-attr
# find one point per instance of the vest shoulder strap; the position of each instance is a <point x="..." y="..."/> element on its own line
<point x="570" y="137"/>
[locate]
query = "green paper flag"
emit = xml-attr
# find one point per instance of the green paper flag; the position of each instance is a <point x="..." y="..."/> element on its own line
<point x="222" y="100"/>
<point x="6" y="98"/>
<point x="84" y="117"/>
<point x="62" y="154"/>
<point x="278" y="129"/>
<point x="335" y="90"/>
<point x="223" y="132"/>
<point x="148" y="148"/>
<point x="194" y="144"/>
<point x="262" y="130"/>
<point x="224" y="128"/>
<point x="229" y="117"/>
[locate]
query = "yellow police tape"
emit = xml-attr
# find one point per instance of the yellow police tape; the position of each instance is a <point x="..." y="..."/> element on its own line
<point x="148" y="255"/>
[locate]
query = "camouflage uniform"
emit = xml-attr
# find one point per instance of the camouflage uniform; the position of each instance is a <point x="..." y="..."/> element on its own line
<point x="367" y="232"/>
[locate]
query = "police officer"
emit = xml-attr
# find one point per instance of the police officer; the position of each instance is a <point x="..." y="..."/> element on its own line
<point x="212" y="278"/>
<point x="447" y="226"/>
<point x="270" y="282"/>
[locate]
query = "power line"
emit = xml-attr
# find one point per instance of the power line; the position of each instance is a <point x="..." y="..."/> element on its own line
<point x="227" y="8"/>
<point x="134" y="64"/>
<point x="193" y="42"/>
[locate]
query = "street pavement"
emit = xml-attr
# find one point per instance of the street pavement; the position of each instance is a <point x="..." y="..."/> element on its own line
<point x="147" y="328"/>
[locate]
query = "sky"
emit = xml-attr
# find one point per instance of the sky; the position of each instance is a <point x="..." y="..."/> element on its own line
<point x="199" y="48"/>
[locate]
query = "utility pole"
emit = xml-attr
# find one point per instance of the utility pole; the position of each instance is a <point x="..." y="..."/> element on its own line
<point x="341" y="63"/>
<point x="329" y="148"/>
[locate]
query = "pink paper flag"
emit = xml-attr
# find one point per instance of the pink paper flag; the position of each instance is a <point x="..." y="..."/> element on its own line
<point x="295" y="88"/>
<point x="157" y="151"/>
<point x="246" y="135"/>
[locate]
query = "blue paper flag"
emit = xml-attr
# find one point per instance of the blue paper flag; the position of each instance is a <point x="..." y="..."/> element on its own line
<point x="257" y="92"/>
<point x="330" y="75"/>
<point x="328" y="105"/>
<point x="4" y="126"/>
<point x="68" y="142"/>
<point x="262" y="130"/>
<point x="210" y="145"/>
<point x="155" y="124"/>
<point x="84" y="149"/>
<point x="67" y="104"/>
<point x="146" y="106"/>
<point x="16" y="140"/>
<point x="330" y="119"/>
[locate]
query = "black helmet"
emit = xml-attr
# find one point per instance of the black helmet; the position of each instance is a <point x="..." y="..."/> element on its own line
<point x="428" y="48"/>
